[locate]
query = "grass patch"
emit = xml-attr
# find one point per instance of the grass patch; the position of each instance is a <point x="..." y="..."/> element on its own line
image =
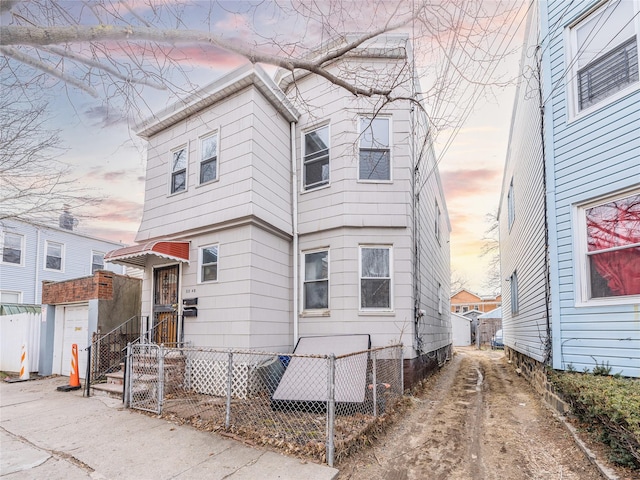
<point x="609" y="406"/>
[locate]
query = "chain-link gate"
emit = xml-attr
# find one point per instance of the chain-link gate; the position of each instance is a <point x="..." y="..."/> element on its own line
<point x="145" y="377"/>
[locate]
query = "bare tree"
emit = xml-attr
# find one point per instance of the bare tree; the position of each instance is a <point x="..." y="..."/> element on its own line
<point x="491" y="250"/>
<point x="122" y="47"/>
<point x="35" y="183"/>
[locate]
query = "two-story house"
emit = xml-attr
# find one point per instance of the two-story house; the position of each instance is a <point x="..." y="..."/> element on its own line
<point x="281" y="209"/>
<point x="570" y="203"/>
<point x="33" y="253"/>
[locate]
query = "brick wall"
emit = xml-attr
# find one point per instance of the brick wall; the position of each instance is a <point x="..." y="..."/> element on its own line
<point x="99" y="286"/>
<point x="536" y="374"/>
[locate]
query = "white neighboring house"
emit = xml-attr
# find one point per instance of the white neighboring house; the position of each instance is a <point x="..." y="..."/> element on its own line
<point x="275" y="211"/>
<point x="570" y="205"/>
<point x="461" y="328"/>
<point x="32" y="253"/>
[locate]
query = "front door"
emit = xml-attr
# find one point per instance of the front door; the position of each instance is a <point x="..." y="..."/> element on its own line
<point x="165" y="305"/>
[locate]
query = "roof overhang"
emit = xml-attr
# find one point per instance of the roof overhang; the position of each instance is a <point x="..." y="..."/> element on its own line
<point x="137" y="255"/>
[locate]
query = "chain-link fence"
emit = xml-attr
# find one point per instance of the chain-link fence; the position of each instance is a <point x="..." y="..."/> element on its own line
<point x="315" y="405"/>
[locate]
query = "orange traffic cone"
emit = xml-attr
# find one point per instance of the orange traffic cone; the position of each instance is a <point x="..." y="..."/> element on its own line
<point x="24" y="364"/>
<point x="74" y="377"/>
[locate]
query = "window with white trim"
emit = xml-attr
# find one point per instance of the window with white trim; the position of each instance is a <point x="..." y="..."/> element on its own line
<point x="316" y="280"/>
<point x="375" y="149"/>
<point x="10" y="297"/>
<point x="603" y="55"/>
<point x="12" y="248"/>
<point x="375" y="278"/>
<point x="179" y="170"/>
<point x="54" y="252"/>
<point x="609" y="249"/>
<point x="315" y="162"/>
<point x="97" y="261"/>
<point x="209" y="158"/>
<point x="511" y="205"/>
<point x="209" y="263"/>
<point x="513" y="281"/>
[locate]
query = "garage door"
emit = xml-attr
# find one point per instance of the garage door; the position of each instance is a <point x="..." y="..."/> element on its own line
<point x="75" y="330"/>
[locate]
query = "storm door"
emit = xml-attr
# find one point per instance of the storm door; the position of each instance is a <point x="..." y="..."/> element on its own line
<point x="165" y="305"/>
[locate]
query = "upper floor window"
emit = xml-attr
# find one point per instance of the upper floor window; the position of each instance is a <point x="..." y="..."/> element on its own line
<point x="209" y="263"/>
<point x="209" y="158"/>
<point x="316" y="158"/>
<point x="97" y="261"/>
<point x="375" y="149"/>
<point x="316" y="280"/>
<point x="609" y="245"/>
<point x="12" y="248"/>
<point x="375" y="278"/>
<point x="511" y="205"/>
<point x="53" y="258"/>
<point x="179" y="170"/>
<point x="604" y="54"/>
<point x="513" y="281"/>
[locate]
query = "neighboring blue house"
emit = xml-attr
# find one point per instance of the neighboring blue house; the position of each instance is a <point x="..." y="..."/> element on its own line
<point x="31" y="253"/>
<point x="570" y="204"/>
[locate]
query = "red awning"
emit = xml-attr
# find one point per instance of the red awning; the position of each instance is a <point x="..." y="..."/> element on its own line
<point x="137" y="255"/>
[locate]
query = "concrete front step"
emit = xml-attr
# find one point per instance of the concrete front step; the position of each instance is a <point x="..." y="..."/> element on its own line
<point x="107" y="389"/>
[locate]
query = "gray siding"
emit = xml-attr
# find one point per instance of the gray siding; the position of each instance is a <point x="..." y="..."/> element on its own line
<point x="522" y="246"/>
<point x="28" y="277"/>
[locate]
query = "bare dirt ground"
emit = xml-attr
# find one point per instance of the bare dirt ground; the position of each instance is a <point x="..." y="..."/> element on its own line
<point x="476" y="419"/>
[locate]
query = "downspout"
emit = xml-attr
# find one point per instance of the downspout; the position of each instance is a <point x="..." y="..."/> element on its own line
<point x="37" y="273"/>
<point x="294" y="224"/>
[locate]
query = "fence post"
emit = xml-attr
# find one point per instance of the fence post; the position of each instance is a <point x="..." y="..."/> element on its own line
<point x="374" y="387"/>
<point x="127" y="377"/>
<point x="87" y="380"/>
<point x="401" y="370"/>
<point x="331" y="408"/>
<point x="227" y="418"/>
<point x="160" y="378"/>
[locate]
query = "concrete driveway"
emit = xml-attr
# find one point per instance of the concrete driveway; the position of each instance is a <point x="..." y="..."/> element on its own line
<point x="49" y="434"/>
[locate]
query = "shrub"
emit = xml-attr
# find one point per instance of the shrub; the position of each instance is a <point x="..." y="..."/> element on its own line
<point x="608" y="405"/>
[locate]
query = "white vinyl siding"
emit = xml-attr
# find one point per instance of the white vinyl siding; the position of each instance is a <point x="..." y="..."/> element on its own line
<point x="511" y="205"/>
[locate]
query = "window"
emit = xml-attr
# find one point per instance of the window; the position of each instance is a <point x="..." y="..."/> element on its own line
<point x="316" y="280"/>
<point x="209" y="264"/>
<point x="97" y="261"/>
<point x="604" y="49"/>
<point x="316" y="158"/>
<point x="511" y="206"/>
<point x="609" y="265"/>
<point x="53" y="259"/>
<point x="179" y="170"/>
<point x="465" y="309"/>
<point x="476" y="307"/>
<point x="375" y="149"/>
<point x="513" y="279"/>
<point x="209" y="158"/>
<point x="12" y="248"/>
<point x="457" y="309"/>
<point x="375" y="278"/>
<point x="10" y="297"/>
<point x="437" y="222"/>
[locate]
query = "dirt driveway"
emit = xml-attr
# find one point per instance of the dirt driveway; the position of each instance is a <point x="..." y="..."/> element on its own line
<point x="476" y="419"/>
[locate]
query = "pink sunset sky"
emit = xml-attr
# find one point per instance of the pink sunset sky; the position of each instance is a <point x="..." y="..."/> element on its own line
<point x="108" y="157"/>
